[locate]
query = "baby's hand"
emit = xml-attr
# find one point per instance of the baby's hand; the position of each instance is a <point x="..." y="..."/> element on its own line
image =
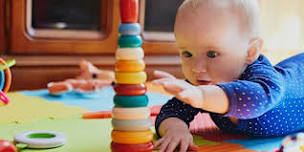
<point x="182" y="90"/>
<point x="175" y="137"/>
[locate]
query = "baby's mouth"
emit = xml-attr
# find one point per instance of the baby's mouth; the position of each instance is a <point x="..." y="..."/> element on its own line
<point x="203" y="82"/>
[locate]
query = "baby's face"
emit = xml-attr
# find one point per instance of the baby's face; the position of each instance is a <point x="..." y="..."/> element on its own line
<point x="211" y="46"/>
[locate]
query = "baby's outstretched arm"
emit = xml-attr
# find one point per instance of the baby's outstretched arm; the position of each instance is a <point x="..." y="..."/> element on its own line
<point x="210" y="97"/>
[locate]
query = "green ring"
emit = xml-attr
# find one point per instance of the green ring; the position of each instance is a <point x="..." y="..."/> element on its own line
<point x="8" y="64"/>
<point x="131" y="101"/>
<point x="129" y="41"/>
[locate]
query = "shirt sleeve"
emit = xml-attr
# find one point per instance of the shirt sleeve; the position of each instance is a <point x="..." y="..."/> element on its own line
<point x="260" y="89"/>
<point x="178" y="109"/>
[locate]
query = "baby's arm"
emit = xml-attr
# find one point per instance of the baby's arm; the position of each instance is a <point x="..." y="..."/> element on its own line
<point x="210" y="98"/>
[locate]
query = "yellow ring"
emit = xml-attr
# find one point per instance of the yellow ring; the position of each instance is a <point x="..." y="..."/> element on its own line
<point x="129" y="53"/>
<point x="133" y="137"/>
<point x="130" y="65"/>
<point x="130" y="113"/>
<point x="130" y="77"/>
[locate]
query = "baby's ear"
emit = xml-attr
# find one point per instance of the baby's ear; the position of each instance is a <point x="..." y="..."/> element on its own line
<point x="254" y="50"/>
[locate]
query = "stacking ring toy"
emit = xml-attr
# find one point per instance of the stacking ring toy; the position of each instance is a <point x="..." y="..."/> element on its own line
<point x="131" y="125"/>
<point x="41" y="139"/>
<point x="134" y="137"/>
<point x="129" y="41"/>
<point x="129" y="11"/>
<point x="130" y="113"/>
<point x="146" y="147"/>
<point x="129" y="54"/>
<point x="130" y="65"/>
<point x="4" y="98"/>
<point x="2" y="80"/>
<point x="130" y="89"/>
<point x="130" y="77"/>
<point x="8" y="77"/>
<point x="129" y="29"/>
<point x="131" y="101"/>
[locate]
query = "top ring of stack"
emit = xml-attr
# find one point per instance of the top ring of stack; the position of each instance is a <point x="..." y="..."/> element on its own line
<point x="128" y="11"/>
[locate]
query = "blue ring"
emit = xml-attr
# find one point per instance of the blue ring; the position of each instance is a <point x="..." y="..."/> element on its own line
<point x="2" y="80"/>
<point x="129" y="29"/>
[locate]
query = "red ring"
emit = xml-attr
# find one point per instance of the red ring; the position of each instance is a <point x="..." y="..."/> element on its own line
<point x="146" y="147"/>
<point x="130" y="89"/>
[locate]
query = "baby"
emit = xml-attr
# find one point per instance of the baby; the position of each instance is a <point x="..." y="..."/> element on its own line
<point x="227" y="76"/>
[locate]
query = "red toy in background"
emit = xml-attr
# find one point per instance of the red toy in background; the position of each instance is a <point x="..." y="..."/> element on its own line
<point x="6" y="146"/>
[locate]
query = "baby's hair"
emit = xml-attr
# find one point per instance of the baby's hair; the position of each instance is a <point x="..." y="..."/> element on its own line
<point x="250" y="11"/>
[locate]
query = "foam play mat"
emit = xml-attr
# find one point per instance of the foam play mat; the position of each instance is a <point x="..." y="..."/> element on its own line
<point x="37" y="110"/>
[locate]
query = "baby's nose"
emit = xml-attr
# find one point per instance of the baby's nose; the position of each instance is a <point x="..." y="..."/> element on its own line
<point x="199" y="66"/>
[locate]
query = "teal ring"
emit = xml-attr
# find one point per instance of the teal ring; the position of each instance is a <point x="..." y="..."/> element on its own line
<point x="129" y="29"/>
<point x="131" y="101"/>
<point x="129" y="41"/>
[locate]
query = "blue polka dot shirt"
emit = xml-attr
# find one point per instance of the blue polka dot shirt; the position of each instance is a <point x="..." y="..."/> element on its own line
<point x="267" y="100"/>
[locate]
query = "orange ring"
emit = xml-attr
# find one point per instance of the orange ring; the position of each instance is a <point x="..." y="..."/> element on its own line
<point x="132" y="137"/>
<point x="130" y="65"/>
<point x="8" y="77"/>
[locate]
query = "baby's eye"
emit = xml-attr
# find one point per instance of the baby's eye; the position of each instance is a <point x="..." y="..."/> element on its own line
<point x="187" y="54"/>
<point x="212" y="54"/>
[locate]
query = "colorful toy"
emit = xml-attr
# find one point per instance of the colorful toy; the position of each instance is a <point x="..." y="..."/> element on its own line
<point x="292" y="143"/>
<point x="131" y="101"/>
<point x="131" y="125"/>
<point x="89" y="80"/>
<point x="130" y="77"/>
<point x="4" y="98"/>
<point x="130" y="65"/>
<point x="131" y="118"/>
<point x="129" y="11"/>
<point x="6" y="146"/>
<point x="130" y="113"/>
<point x="130" y="89"/>
<point x="5" y="78"/>
<point x="146" y="147"/>
<point x="129" y="29"/>
<point x="132" y="137"/>
<point x="129" y="54"/>
<point x="129" y="41"/>
<point x="40" y="139"/>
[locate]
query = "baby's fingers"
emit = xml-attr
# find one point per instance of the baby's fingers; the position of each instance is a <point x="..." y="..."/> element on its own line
<point x="183" y="146"/>
<point x="164" y="145"/>
<point x="169" y="84"/>
<point x="173" y="145"/>
<point x="192" y="148"/>
<point x="158" y="142"/>
<point x="162" y="74"/>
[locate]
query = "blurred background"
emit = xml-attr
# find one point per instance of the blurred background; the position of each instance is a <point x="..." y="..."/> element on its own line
<point x="49" y="38"/>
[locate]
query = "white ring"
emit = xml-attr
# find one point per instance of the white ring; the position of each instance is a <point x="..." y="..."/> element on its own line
<point x="129" y="53"/>
<point x="58" y="140"/>
<point x="131" y="125"/>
